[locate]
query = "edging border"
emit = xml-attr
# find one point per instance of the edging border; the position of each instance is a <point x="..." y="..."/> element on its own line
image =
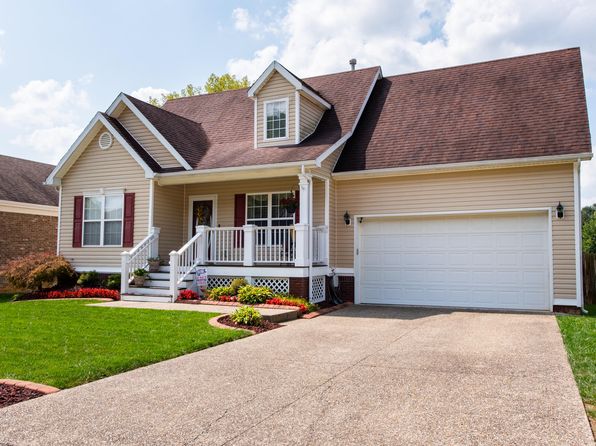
<point x="41" y="388"/>
<point x="214" y="322"/>
<point x="235" y="304"/>
<point x="323" y="311"/>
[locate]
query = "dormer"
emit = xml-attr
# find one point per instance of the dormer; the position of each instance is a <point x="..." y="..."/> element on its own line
<point x="286" y="109"/>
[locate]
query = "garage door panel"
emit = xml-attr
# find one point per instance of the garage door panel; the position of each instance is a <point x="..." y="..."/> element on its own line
<point x="496" y="261"/>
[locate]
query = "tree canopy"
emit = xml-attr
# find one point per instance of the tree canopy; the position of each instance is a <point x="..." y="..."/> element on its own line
<point x="214" y="84"/>
<point x="589" y="229"/>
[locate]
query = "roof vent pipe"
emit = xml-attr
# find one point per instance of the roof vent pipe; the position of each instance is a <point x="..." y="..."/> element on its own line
<point x="353" y="64"/>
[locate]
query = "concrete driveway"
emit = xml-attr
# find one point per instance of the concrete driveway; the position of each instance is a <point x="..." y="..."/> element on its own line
<point x="363" y="375"/>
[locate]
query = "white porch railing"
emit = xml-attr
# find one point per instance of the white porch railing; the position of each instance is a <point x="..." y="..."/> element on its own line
<point x="275" y="244"/>
<point x="137" y="258"/>
<point x="319" y="243"/>
<point x="226" y="245"/>
<point x="182" y="262"/>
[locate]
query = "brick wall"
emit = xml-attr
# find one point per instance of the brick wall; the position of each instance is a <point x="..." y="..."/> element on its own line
<point x="299" y="286"/>
<point x="22" y="234"/>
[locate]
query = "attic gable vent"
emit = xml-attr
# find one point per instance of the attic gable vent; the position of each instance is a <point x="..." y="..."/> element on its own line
<point x="105" y="140"/>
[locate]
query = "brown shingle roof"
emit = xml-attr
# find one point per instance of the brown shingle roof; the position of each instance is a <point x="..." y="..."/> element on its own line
<point x="512" y="108"/>
<point x="222" y="123"/>
<point x="22" y="180"/>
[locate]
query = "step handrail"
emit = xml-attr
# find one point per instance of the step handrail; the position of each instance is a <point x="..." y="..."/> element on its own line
<point x="183" y="261"/>
<point x="137" y="258"/>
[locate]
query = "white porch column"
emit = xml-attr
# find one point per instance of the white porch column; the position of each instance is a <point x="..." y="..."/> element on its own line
<point x="250" y="233"/>
<point x="125" y="271"/>
<point x="155" y="242"/>
<point x="202" y="245"/>
<point x="174" y="265"/>
<point x="303" y="228"/>
<point x="302" y="258"/>
<point x="305" y="186"/>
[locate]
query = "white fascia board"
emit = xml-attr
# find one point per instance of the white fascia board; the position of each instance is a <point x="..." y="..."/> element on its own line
<point x="296" y="83"/>
<point x="74" y="151"/>
<point x="54" y="179"/>
<point x="454" y="167"/>
<point x="18" y="207"/>
<point x="339" y="143"/>
<point x="123" y="99"/>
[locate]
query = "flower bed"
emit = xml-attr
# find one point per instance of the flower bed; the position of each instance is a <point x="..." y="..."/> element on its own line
<point x="265" y="325"/>
<point x="10" y="394"/>
<point x="82" y="293"/>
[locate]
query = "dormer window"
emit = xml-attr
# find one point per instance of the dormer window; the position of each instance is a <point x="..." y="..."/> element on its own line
<point x="276" y="119"/>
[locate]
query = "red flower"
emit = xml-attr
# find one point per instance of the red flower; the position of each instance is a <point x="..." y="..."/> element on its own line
<point x="188" y="295"/>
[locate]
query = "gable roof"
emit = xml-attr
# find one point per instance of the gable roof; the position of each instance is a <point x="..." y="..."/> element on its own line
<point x="521" y="107"/>
<point x="22" y="181"/>
<point x="298" y="83"/>
<point x="226" y="122"/>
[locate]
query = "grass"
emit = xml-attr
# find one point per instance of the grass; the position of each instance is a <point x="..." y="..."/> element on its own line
<point x="66" y="343"/>
<point x="579" y="335"/>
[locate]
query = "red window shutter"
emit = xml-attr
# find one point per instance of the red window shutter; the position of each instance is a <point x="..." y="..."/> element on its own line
<point x="128" y="235"/>
<point x="297" y="213"/>
<point x="239" y="209"/>
<point x="77" y="222"/>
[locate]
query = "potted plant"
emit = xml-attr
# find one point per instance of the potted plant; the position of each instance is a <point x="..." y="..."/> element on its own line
<point x="290" y="204"/>
<point x="140" y="274"/>
<point x="154" y="263"/>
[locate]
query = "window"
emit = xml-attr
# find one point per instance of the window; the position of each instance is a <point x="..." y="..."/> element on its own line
<point x="276" y="119"/>
<point x="266" y="210"/>
<point x="102" y="220"/>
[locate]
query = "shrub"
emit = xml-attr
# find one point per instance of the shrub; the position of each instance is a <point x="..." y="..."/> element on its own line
<point x="227" y="299"/>
<point x="254" y="294"/>
<point x="236" y="285"/>
<point x="187" y="295"/>
<point x="140" y="272"/>
<point x="113" y="282"/>
<point x="39" y="271"/>
<point x="304" y="305"/>
<point x="247" y="316"/>
<point x="90" y="279"/>
<point x="217" y="292"/>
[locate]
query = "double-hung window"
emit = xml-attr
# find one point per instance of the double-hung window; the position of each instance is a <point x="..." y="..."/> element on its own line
<point x="276" y="119"/>
<point x="266" y="210"/>
<point x="102" y="220"/>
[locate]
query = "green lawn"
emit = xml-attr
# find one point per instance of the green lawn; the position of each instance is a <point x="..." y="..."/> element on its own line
<point x="579" y="335"/>
<point x="66" y="343"/>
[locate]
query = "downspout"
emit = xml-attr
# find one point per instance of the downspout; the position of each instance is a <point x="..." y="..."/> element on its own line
<point x="59" y="219"/>
<point x="578" y="238"/>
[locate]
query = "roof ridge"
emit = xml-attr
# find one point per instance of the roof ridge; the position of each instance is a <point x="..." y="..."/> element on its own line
<point x="164" y="110"/>
<point x="484" y="62"/>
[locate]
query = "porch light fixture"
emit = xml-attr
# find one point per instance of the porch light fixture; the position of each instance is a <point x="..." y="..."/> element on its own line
<point x="560" y="211"/>
<point x="347" y="219"/>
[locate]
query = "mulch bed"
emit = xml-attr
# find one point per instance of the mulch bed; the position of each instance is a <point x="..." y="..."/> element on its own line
<point x="265" y="325"/>
<point x="13" y="394"/>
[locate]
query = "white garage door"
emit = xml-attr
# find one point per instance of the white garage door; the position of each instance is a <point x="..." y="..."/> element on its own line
<point x="480" y="261"/>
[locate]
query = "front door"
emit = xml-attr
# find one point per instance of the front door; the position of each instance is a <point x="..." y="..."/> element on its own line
<point x="202" y="214"/>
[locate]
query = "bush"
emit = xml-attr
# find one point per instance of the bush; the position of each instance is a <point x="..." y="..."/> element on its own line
<point x="304" y="305"/>
<point x="217" y="292"/>
<point x="39" y="271"/>
<point x="247" y="316"/>
<point x="187" y="295"/>
<point x="236" y="285"/>
<point x="254" y="294"/>
<point x="113" y="282"/>
<point x="90" y="279"/>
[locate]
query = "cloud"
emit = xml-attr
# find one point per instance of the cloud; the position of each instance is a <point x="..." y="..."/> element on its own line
<point x="244" y="21"/>
<point x="46" y="115"/>
<point x="252" y="68"/>
<point x="145" y="93"/>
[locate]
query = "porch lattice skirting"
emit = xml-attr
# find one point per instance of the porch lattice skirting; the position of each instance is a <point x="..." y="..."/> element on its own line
<point x="317" y="289"/>
<point x="276" y="284"/>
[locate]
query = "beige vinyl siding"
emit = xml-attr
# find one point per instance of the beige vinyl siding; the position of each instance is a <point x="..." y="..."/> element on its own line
<point x="168" y="216"/>
<point x="318" y="197"/>
<point x="276" y="88"/>
<point x="310" y="115"/>
<point x="524" y="187"/>
<point x="144" y="137"/>
<point x="93" y="170"/>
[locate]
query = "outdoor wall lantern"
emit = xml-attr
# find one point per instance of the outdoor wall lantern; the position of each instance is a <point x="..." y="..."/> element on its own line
<point x="560" y="211"/>
<point x="347" y="219"/>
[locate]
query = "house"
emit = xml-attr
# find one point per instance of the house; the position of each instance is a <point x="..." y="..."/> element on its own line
<point x="449" y="187"/>
<point x="28" y="209"/>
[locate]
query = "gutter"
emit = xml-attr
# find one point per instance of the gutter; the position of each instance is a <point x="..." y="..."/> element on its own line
<point x="453" y="167"/>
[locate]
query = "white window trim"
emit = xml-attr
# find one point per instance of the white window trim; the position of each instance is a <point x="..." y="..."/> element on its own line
<point x="283" y="138"/>
<point x="102" y="221"/>
<point x="270" y="219"/>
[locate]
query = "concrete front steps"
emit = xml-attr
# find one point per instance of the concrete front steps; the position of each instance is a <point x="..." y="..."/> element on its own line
<point x="156" y="288"/>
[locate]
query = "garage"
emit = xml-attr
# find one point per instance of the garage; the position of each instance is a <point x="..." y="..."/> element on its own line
<point x="484" y="260"/>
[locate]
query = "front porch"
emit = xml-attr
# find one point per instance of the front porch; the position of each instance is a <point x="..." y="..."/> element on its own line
<point x="236" y="229"/>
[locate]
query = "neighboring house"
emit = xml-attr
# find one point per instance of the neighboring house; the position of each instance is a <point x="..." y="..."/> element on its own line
<point x="28" y="209"/>
<point x="433" y="188"/>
